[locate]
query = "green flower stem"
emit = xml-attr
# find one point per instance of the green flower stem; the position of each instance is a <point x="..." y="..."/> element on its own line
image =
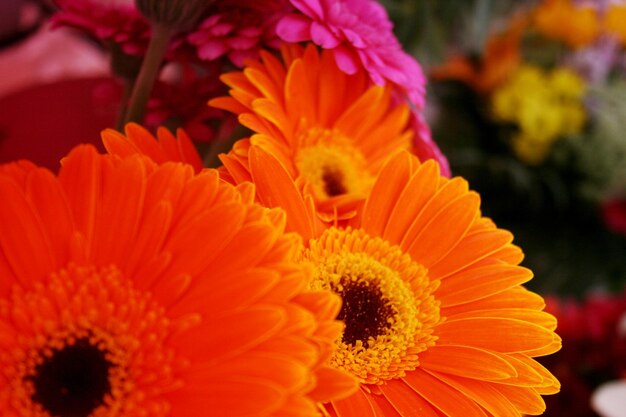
<point x="148" y="73"/>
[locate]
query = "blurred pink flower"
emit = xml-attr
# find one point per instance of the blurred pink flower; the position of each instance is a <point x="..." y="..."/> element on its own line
<point x="239" y="30"/>
<point x="236" y="29"/>
<point x="360" y="34"/>
<point x="120" y="23"/>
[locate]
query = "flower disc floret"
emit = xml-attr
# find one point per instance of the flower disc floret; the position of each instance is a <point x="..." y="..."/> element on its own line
<point x="85" y="338"/>
<point x="388" y="306"/>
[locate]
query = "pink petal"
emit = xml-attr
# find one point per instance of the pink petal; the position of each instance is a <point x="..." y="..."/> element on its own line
<point x="239" y="58"/>
<point x="294" y="28"/>
<point x="323" y="37"/>
<point x="311" y="8"/>
<point x="212" y="49"/>
<point x="242" y="43"/>
<point x="221" y="29"/>
<point x="346" y="59"/>
<point x="354" y="38"/>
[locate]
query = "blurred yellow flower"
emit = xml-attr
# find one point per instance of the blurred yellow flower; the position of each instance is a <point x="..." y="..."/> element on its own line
<point x="543" y="105"/>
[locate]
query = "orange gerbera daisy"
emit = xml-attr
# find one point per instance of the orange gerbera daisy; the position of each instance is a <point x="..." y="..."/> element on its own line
<point x="329" y="131"/>
<point x="437" y="322"/>
<point x="129" y="289"/>
<point x="165" y="147"/>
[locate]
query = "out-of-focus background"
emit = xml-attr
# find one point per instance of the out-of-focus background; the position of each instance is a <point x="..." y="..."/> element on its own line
<point x="47" y="76"/>
<point x="526" y="98"/>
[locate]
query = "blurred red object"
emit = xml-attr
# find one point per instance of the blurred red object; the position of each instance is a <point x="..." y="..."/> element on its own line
<point x="614" y="213"/>
<point x="43" y="122"/>
<point x="594" y="350"/>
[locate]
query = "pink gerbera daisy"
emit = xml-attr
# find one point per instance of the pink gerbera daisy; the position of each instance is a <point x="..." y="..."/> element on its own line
<point x="360" y="34"/>
<point x="239" y="29"/>
<point x="116" y="21"/>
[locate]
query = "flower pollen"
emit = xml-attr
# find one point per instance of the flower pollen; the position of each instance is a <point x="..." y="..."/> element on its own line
<point x="332" y="169"/>
<point x="388" y="307"/>
<point x="90" y="346"/>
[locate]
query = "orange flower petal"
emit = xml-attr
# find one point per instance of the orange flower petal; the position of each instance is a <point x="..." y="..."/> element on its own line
<point x="486" y="395"/>
<point x="480" y="282"/>
<point x="478" y="332"/>
<point x="466" y="361"/>
<point x="355" y="405"/>
<point x="404" y="400"/>
<point x="445" y="398"/>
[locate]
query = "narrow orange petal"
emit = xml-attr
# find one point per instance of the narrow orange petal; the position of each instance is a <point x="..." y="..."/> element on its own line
<point x="229" y="335"/>
<point x="228" y="104"/>
<point x="274" y="68"/>
<point x="540" y="318"/>
<point x="466" y="361"/>
<point x="227" y="291"/>
<point x="332" y="383"/>
<point x="216" y="228"/>
<point x="480" y="282"/>
<point x="224" y="398"/>
<point x="117" y="219"/>
<point x="80" y="177"/>
<point x="418" y="191"/>
<point x="516" y="297"/>
<point x="550" y="384"/>
<point x="298" y="93"/>
<point x="444" y="230"/>
<point x="278" y="190"/>
<point x="390" y="183"/>
<point x="515" y="335"/>
<point x="362" y="115"/>
<point x="264" y="84"/>
<point x="45" y="193"/>
<point x="297" y="406"/>
<point x="294" y="346"/>
<point x="273" y="113"/>
<point x="442" y="396"/>
<point x="275" y="369"/>
<point x="406" y="401"/>
<point x="449" y="191"/>
<point x="526" y="400"/>
<point x="484" y="394"/>
<point x="471" y="249"/>
<point x="382" y="407"/>
<point x="354" y="405"/>
<point x="232" y="258"/>
<point x="23" y="240"/>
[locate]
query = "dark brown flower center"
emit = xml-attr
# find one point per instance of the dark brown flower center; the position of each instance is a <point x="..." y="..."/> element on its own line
<point x="333" y="182"/>
<point x="74" y="381"/>
<point x="365" y="311"/>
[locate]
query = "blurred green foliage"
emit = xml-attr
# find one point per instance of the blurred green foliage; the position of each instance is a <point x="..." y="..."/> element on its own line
<point x="428" y="29"/>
